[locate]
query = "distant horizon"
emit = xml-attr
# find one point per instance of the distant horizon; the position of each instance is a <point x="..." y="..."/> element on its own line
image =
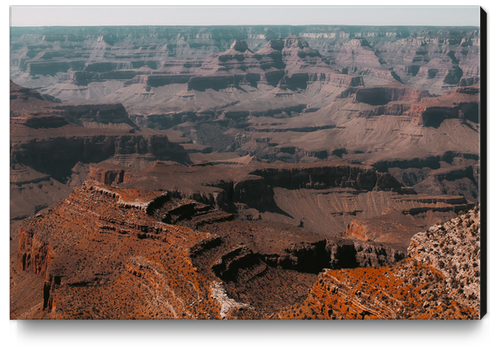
<point x="77" y="16"/>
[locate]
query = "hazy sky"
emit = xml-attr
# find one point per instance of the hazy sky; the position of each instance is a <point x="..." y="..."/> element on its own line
<point x="242" y="15"/>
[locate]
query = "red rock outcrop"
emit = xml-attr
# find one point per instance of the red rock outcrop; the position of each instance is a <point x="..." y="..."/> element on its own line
<point x="432" y="283"/>
<point x="108" y="174"/>
<point x="94" y="245"/>
<point x="240" y="238"/>
<point x="144" y="242"/>
<point x="104" y="254"/>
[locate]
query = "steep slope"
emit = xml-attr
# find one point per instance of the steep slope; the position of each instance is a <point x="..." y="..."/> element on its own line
<point x="117" y="251"/>
<point x="393" y="97"/>
<point x="396" y="128"/>
<point x="439" y="280"/>
<point x="161" y="256"/>
<point x="105" y="242"/>
<point x="52" y="143"/>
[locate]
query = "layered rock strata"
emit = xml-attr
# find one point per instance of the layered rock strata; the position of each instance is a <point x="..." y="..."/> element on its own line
<point x="104" y="239"/>
<point x="52" y="144"/>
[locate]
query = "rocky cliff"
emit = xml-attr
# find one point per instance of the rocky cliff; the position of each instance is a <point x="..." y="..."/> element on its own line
<point x="439" y="280"/>
<point x="453" y="248"/>
<point x="126" y="254"/>
<point x="322" y="197"/>
<point x="393" y="92"/>
<point x="57" y="156"/>
<point x="148" y="243"/>
<point x="319" y="176"/>
<point x="132" y="232"/>
<point x="52" y="144"/>
<point x="294" y="94"/>
<point x="432" y="56"/>
<point x="214" y="173"/>
<point x="140" y="66"/>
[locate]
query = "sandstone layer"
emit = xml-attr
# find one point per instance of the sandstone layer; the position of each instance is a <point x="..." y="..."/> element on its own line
<point x="162" y="256"/>
<point x="105" y="242"/>
<point x="52" y="144"/>
<point x="393" y="97"/>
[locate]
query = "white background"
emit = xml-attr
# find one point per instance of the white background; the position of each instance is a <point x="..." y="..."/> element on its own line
<point x="202" y="333"/>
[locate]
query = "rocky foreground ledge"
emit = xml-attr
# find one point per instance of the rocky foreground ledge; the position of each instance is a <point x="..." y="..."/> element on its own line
<point x="440" y="279"/>
<point x="112" y="253"/>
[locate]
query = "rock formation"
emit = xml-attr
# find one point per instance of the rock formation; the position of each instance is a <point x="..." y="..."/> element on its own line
<point x="279" y="93"/>
<point x="422" y="57"/>
<point x="118" y="240"/>
<point x="52" y="143"/>
<point x="131" y="242"/>
<point x="308" y="172"/>
<point x="135" y="257"/>
<point x="438" y="280"/>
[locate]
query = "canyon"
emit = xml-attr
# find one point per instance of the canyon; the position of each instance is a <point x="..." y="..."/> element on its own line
<point x="306" y="172"/>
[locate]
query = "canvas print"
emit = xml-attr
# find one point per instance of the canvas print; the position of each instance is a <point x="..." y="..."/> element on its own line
<point x="249" y="171"/>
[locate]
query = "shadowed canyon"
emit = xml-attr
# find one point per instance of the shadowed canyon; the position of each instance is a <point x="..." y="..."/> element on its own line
<point x="280" y="172"/>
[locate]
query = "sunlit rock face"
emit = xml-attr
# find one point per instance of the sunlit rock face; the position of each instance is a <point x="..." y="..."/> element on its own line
<point x="307" y="172"/>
